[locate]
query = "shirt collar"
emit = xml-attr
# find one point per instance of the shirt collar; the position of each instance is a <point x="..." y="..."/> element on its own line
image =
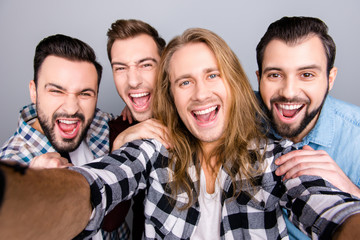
<point x="31" y="135"/>
<point x="324" y="129"/>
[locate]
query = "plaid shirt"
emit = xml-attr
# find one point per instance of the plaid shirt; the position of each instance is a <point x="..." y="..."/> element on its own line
<point x="314" y="205"/>
<point x="27" y="142"/>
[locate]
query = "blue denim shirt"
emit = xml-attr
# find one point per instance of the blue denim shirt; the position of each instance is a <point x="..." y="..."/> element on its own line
<point x="337" y="131"/>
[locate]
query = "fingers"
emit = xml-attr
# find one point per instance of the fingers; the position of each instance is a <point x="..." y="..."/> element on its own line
<point x="302" y="159"/>
<point x="324" y="170"/>
<point x="126" y="114"/>
<point x="49" y="160"/>
<point x="298" y="154"/>
<point x="148" y="129"/>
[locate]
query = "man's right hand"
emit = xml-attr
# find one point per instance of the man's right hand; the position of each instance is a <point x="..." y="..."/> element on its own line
<point x="126" y="115"/>
<point x="147" y="129"/>
<point x="308" y="161"/>
<point x="49" y="160"/>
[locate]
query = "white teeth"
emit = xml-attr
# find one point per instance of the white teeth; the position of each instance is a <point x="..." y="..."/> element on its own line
<point x="136" y="95"/>
<point x="290" y="107"/>
<point x="67" y="121"/>
<point x="205" y="111"/>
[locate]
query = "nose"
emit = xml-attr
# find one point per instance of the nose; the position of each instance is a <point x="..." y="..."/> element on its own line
<point x="134" y="78"/>
<point x="71" y="104"/>
<point x="201" y="90"/>
<point x="289" y="88"/>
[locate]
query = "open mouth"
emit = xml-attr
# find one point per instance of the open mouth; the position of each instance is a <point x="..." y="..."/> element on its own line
<point x="289" y="110"/>
<point x="140" y="100"/>
<point x="68" y="128"/>
<point x="206" y="115"/>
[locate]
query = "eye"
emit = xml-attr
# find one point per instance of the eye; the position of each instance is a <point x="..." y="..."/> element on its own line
<point x="55" y="91"/>
<point x="119" y="68"/>
<point x="185" y="83"/>
<point x="86" y="94"/>
<point x="274" y="75"/>
<point x="307" y="75"/>
<point x="146" y="66"/>
<point x="213" y="75"/>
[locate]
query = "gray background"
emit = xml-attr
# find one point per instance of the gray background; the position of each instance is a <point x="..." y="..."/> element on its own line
<point x="241" y="23"/>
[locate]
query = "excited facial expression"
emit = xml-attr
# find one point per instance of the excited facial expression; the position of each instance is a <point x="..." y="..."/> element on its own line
<point x="65" y="97"/>
<point x="134" y="63"/>
<point x="200" y="94"/>
<point x="294" y="84"/>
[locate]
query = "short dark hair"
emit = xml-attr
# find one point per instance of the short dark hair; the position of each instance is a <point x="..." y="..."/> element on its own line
<point x="292" y="30"/>
<point x="65" y="47"/>
<point x="123" y="29"/>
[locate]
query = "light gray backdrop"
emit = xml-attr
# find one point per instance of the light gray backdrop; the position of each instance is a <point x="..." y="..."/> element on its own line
<point x="241" y="23"/>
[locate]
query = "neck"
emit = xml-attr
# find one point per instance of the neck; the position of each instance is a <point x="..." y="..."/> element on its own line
<point x="210" y="166"/>
<point x="36" y="125"/>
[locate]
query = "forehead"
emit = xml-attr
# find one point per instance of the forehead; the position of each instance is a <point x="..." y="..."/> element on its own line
<point x="71" y="75"/>
<point x="134" y="49"/>
<point x="309" y="51"/>
<point x="192" y="58"/>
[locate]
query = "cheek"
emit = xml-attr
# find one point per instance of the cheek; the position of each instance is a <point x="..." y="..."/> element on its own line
<point x="119" y="81"/>
<point x="150" y="78"/>
<point x="88" y="107"/>
<point x="266" y="92"/>
<point x="180" y="104"/>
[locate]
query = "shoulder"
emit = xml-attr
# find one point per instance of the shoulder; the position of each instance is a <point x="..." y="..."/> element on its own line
<point x="18" y="149"/>
<point x="343" y="110"/>
<point x="103" y="116"/>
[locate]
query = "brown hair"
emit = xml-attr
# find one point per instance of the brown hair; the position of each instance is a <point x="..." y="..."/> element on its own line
<point x="123" y="29"/>
<point x="292" y="30"/>
<point x="242" y="130"/>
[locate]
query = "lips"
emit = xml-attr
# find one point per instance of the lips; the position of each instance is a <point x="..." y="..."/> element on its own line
<point x="206" y="115"/>
<point x="289" y="111"/>
<point x="140" y="100"/>
<point x="68" y="128"/>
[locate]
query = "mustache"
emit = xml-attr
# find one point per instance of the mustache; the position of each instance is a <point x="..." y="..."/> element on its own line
<point x="64" y="115"/>
<point x="288" y="100"/>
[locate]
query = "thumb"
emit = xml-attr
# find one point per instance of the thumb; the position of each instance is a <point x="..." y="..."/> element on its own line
<point x="307" y="147"/>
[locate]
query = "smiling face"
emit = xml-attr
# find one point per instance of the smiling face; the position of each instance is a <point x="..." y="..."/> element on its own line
<point x="294" y="84"/>
<point x="134" y="63"/>
<point x="65" y="98"/>
<point x="200" y="94"/>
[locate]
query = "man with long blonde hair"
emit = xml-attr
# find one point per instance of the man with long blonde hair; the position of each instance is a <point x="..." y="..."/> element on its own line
<point x="218" y="180"/>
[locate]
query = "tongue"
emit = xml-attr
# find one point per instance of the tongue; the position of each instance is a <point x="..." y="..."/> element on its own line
<point x="67" y="127"/>
<point x="289" y="113"/>
<point x="141" y="101"/>
<point x="206" y="117"/>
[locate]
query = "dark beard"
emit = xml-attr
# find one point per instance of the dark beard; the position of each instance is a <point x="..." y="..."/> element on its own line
<point x="284" y="130"/>
<point x="66" y="145"/>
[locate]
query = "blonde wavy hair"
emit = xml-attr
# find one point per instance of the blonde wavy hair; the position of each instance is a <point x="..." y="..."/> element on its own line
<point x="243" y="127"/>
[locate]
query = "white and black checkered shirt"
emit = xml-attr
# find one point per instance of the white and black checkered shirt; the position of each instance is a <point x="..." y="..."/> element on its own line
<point x="314" y="205"/>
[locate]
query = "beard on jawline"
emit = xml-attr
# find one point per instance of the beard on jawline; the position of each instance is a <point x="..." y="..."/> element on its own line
<point x="64" y="145"/>
<point x="285" y="130"/>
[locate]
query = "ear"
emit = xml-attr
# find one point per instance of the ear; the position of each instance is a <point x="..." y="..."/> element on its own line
<point x="32" y="89"/>
<point x="258" y="76"/>
<point x="332" y="76"/>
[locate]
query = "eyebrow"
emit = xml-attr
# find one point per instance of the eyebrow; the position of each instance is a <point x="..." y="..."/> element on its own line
<point x="314" y="66"/>
<point x="64" y="89"/>
<point x="206" y="70"/>
<point x="137" y="62"/>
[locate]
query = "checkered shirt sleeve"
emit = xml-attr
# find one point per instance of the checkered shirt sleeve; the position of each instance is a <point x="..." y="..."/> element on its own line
<point x="26" y="142"/>
<point x="314" y="205"/>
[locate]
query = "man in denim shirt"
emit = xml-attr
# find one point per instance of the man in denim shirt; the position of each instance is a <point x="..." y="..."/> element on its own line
<point x="296" y="72"/>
